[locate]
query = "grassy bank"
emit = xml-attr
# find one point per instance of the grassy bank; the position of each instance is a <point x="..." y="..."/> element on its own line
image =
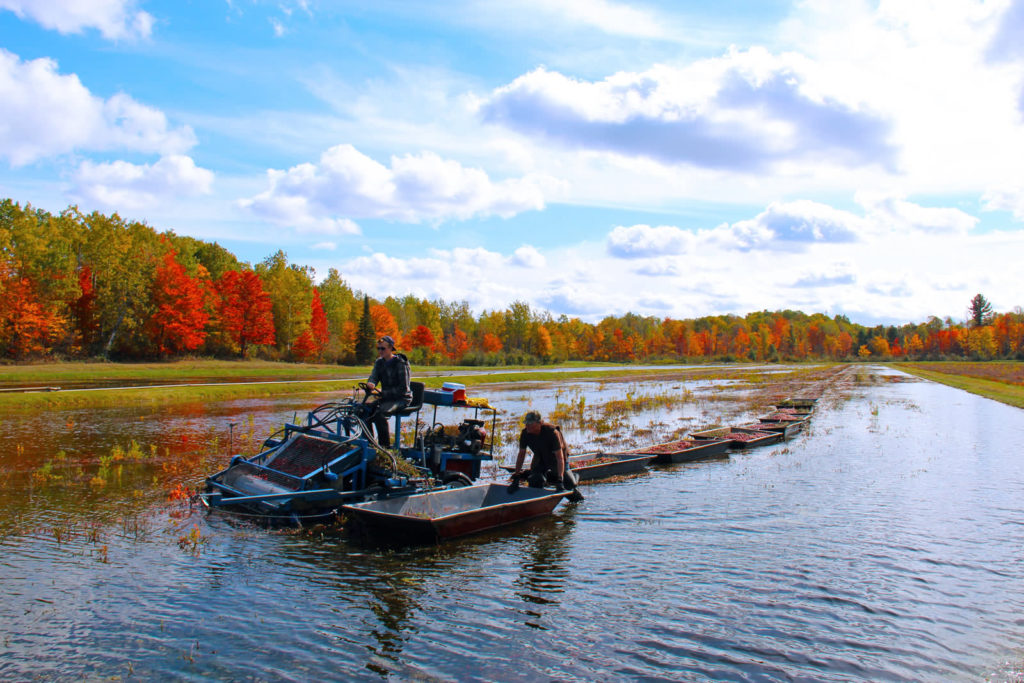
<point x="220" y="381"/>
<point x="990" y="380"/>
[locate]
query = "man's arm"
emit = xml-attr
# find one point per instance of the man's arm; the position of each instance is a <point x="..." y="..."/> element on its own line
<point x="519" y="460"/>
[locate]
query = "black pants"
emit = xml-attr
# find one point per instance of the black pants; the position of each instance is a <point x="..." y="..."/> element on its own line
<point x="539" y="477"/>
<point x="382" y="411"/>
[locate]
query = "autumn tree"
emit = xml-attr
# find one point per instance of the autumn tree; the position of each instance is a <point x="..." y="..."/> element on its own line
<point x="304" y="348"/>
<point x="27" y="324"/>
<point x="491" y="343"/>
<point x="456" y="345"/>
<point x="341" y="308"/>
<point x="384" y="323"/>
<point x="318" y="324"/>
<point x="245" y="310"/>
<point x="179" y="317"/>
<point x="420" y="337"/>
<point x="290" y="288"/>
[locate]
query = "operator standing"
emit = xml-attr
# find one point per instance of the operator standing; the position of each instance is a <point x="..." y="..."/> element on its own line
<point x="391" y="372"/>
<point x="549" y="454"/>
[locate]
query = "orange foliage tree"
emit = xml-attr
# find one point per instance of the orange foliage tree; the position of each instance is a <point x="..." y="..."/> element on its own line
<point x="179" y="320"/>
<point x="318" y="325"/>
<point x="384" y="323"/>
<point x="421" y="337"/>
<point x="245" y="310"/>
<point x="26" y="323"/>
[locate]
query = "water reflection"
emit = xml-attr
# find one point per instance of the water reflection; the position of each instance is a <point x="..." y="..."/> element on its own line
<point x="544" y="567"/>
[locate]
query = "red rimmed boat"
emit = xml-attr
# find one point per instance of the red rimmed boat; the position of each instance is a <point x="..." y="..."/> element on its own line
<point x="739" y="437"/>
<point x="785" y="427"/>
<point x="593" y="466"/>
<point x="686" y="450"/>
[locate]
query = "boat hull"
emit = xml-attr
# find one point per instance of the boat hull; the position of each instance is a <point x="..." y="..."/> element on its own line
<point x="441" y="515"/>
<point x="687" y="450"/>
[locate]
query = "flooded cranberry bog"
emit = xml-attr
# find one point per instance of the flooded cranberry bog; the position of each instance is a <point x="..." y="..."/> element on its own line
<point x="881" y="542"/>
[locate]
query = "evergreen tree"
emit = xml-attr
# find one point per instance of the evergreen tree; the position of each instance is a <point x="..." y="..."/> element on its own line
<point x="367" y="339"/>
<point x="981" y="311"/>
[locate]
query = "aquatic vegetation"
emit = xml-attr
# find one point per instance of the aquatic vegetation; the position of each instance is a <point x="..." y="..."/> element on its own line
<point x="193" y="541"/>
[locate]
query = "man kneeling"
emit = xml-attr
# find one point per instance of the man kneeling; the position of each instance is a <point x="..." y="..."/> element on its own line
<point x="549" y="454"/>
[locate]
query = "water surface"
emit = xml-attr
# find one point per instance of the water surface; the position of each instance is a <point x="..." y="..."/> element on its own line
<point x="883" y="543"/>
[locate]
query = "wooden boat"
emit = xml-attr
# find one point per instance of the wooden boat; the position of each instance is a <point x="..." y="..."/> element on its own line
<point x="739" y="437"/>
<point x="686" y="450"/>
<point x="439" y="515"/>
<point x="597" y="465"/>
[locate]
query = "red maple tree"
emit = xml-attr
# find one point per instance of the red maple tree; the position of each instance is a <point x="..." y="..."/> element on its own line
<point x="179" y="321"/>
<point x="420" y="336"/>
<point x="318" y="324"/>
<point x="245" y="310"/>
<point x="304" y="348"/>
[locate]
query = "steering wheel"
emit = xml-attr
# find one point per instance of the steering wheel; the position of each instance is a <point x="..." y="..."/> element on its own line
<point x="366" y="389"/>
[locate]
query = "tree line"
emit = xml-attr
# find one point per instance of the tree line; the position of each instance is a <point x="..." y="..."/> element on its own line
<point x="78" y="285"/>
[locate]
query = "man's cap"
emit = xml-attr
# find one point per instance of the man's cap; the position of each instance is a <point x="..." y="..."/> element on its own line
<point x="531" y="417"/>
<point x="389" y="340"/>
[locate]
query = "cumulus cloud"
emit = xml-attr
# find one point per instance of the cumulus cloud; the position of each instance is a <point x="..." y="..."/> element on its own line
<point x="742" y="112"/>
<point x="898" y="213"/>
<point x="347" y="184"/>
<point x="784" y="226"/>
<point x="644" y="241"/>
<point x="119" y="184"/>
<point x="527" y="256"/>
<point x="1006" y="198"/>
<point x="114" y="19"/>
<point x="44" y="113"/>
<point x="790" y="226"/>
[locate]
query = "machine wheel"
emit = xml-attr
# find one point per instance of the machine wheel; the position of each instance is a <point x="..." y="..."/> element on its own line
<point x="456" y="480"/>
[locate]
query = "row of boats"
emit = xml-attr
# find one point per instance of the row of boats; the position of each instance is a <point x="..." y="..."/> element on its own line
<point x="438" y="515"/>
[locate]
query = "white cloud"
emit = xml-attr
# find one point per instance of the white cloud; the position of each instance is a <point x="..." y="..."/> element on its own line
<point x="1005" y="198"/>
<point x="347" y="184"/>
<point x="787" y="226"/>
<point x="575" y="301"/>
<point x="744" y="112"/>
<point x="114" y="19"/>
<point x="643" y="241"/>
<point x="665" y="267"/>
<point x="527" y="256"/>
<point x="790" y="226"/>
<point x="325" y="246"/>
<point x="899" y="213"/>
<point x="120" y="185"/>
<point x="44" y="113"/>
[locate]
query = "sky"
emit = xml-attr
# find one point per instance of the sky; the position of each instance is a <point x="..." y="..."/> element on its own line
<point x="589" y="157"/>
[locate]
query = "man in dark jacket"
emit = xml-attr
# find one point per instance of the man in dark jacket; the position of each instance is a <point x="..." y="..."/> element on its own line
<point x="391" y="372"/>
<point x="549" y="454"/>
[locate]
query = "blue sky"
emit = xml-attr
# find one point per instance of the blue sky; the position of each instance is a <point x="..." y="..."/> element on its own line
<point x="590" y="157"/>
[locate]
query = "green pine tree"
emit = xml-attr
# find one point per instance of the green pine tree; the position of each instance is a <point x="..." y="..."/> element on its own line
<point x="366" y="340"/>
